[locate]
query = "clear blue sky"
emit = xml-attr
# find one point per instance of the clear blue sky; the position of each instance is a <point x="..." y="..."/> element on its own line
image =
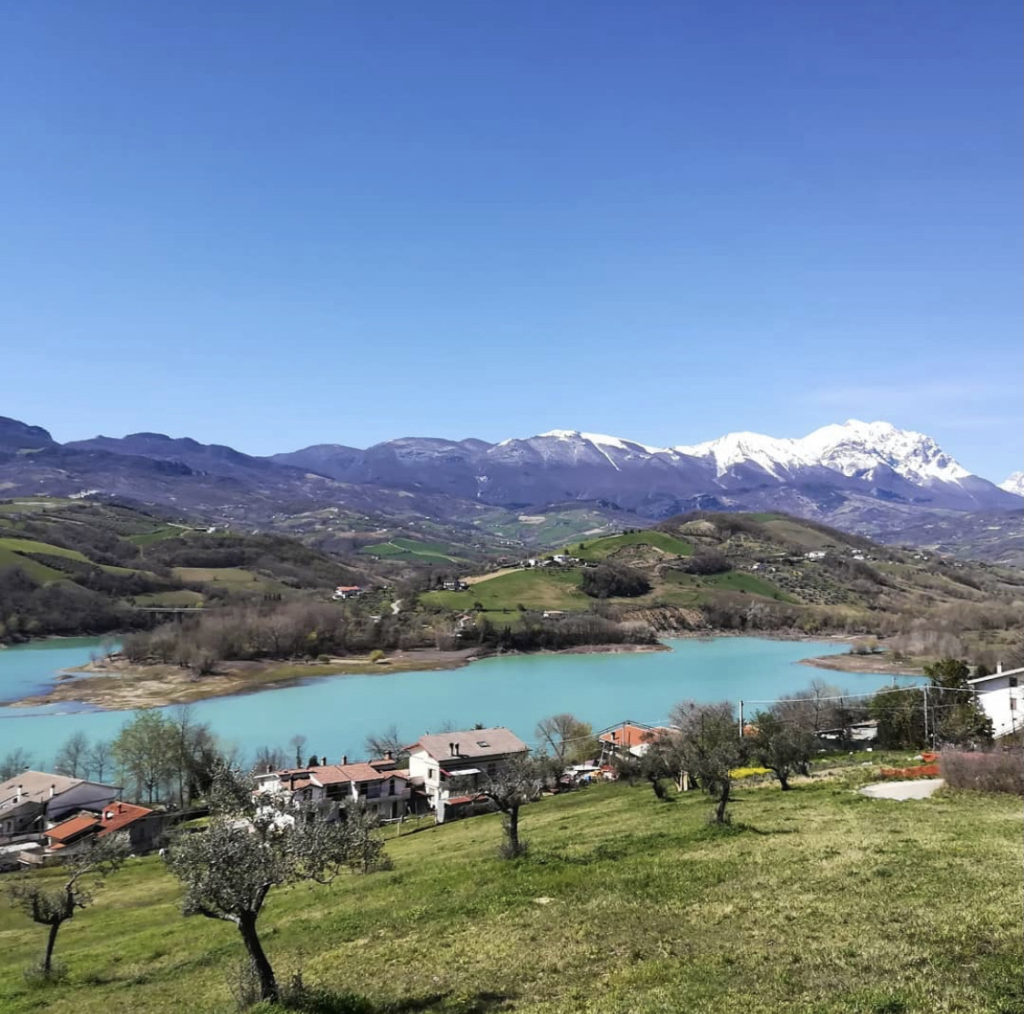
<point x="274" y="224"/>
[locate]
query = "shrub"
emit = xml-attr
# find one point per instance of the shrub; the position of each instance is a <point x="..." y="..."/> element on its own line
<point x="991" y="771"/>
<point x="614" y="581"/>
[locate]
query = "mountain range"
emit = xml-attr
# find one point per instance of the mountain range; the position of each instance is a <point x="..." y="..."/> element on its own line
<point x="871" y="478"/>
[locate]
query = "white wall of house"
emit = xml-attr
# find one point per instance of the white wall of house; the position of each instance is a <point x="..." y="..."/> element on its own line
<point x="1002" y="698"/>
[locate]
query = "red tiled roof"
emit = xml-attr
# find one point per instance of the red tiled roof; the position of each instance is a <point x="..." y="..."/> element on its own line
<point x="73" y="826"/>
<point x="628" y="735"/>
<point x="119" y="815"/>
<point x="114" y="817"/>
<point x="334" y="774"/>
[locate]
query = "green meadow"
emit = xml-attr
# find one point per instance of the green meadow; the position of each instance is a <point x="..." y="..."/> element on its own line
<point x="815" y="900"/>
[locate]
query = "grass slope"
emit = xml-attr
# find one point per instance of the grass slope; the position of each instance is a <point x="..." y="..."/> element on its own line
<point x="600" y="549"/>
<point x="547" y="588"/>
<point x="817" y="900"/>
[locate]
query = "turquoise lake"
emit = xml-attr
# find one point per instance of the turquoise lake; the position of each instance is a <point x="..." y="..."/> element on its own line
<point x="335" y="713"/>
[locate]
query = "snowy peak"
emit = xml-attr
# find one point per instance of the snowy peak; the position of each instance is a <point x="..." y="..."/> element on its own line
<point x="1014" y="483"/>
<point x="857" y="448"/>
<point x="775" y="456"/>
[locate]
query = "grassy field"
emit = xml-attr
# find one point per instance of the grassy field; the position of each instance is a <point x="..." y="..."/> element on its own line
<point x="599" y="549"/>
<point x="411" y="549"/>
<point x="41" y="549"/>
<point x="813" y="901"/>
<point x="549" y="588"/>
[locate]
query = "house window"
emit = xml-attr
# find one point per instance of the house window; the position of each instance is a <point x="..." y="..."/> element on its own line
<point x="492" y="769"/>
<point x="1013" y="681"/>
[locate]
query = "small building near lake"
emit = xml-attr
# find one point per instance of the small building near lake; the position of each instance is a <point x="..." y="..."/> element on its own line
<point x="1001" y="696"/>
<point x="449" y="767"/>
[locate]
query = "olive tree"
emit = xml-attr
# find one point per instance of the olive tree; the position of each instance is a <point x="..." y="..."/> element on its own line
<point x="81" y="872"/>
<point x="710" y="747"/>
<point x="517" y="782"/>
<point x="781" y="746"/>
<point x="229" y="869"/>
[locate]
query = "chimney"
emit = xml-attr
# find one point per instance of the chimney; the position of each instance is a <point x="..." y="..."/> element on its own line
<point x="999" y="668"/>
<point x="387" y="755"/>
<point x="451" y="750"/>
<point x="344" y="758"/>
<point x="323" y="760"/>
<point x="17" y="796"/>
<point x="270" y="768"/>
<point x="53" y="791"/>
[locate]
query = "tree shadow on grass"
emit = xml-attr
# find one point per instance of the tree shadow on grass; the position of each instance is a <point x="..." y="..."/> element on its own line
<point x="323" y="1001"/>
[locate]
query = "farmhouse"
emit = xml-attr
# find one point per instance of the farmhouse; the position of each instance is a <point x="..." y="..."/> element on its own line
<point x="347" y="591"/>
<point x="628" y="737"/>
<point x="32" y="802"/>
<point x="86" y="826"/>
<point x="331" y="786"/>
<point x="1002" y="698"/>
<point x="449" y="767"/>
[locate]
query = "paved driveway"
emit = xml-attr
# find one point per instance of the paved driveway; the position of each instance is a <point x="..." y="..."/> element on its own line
<point x="917" y="788"/>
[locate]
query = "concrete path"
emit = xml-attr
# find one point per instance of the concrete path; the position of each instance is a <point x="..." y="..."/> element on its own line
<point x="918" y="788"/>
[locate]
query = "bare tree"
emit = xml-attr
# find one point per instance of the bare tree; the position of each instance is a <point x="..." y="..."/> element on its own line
<point x="383" y="743"/>
<point x="710" y="747"/>
<point x="71" y="757"/>
<point x="270" y="758"/>
<point x="568" y="739"/>
<point x="14" y="762"/>
<point x="99" y="759"/>
<point x="229" y="870"/>
<point x="517" y="782"/>
<point x="54" y="906"/>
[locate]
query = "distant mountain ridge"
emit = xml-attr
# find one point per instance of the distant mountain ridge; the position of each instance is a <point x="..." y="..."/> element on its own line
<point x="870" y="459"/>
<point x="869" y="478"/>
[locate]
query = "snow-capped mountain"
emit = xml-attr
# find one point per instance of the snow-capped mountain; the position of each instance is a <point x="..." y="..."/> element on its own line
<point x="1014" y="483"/>
<point x="854" y="448"/>
<point x="810" y="474"/>
<point x="866" y="477"/>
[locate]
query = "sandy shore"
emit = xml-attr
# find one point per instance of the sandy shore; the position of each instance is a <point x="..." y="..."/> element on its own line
<point x="880" y="662"/>
<point x="115" y="684"/>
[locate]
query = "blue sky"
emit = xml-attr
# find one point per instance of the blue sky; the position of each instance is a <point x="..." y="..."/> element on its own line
<point x="271" y="224"/>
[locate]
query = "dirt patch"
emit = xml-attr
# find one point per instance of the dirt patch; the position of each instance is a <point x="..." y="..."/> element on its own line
<point x="881" y="663"/>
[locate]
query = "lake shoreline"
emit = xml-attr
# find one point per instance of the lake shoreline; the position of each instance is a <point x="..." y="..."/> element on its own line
<point x="114" y="684"/>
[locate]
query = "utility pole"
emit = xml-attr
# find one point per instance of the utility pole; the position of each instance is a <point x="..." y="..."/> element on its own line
<point x="924" y="690"/>
<point x="741" y="719"/>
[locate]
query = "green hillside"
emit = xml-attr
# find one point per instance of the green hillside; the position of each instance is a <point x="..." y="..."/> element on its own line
<point x="767" y="572"/>
<point x="815" y="901"/>
<point x="73" y="566"/>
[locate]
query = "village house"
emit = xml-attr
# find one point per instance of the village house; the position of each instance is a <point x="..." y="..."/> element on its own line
<point x="86" y="826"/>
<point x="449" y="767"/>
<point x="347" y="591"/>
<point x="1001" y="696"/>
<point x="627" y="737"/>
<point x="379" y="785"/>
<point x="32" y="802"/>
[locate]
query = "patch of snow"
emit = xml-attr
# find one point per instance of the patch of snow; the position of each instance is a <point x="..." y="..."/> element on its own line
<point x="1014" y="483"/>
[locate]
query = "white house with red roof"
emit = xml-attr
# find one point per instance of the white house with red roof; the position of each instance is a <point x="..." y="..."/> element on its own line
<point x="450" y="767"/>
<point x="332" y="786"/>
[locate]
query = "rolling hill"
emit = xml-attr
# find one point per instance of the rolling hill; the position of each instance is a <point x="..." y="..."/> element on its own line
<point x="76" y="566"/>
<point x="760" y="572"/>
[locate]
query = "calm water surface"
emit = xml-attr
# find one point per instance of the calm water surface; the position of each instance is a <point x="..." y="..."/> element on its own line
<point x="335" y="713"/>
